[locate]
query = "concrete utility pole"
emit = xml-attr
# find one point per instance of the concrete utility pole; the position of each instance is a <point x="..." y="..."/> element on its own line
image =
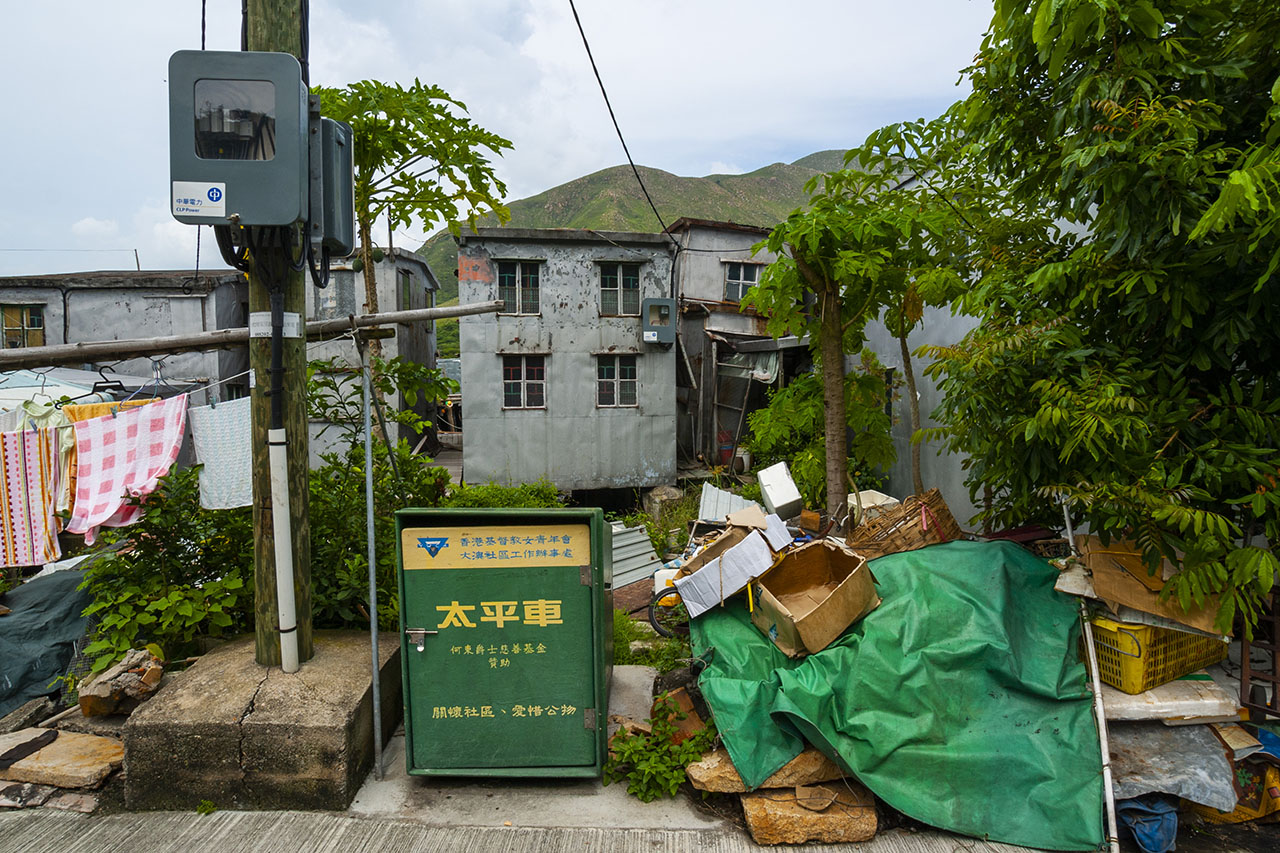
<point x="276" y="25"/>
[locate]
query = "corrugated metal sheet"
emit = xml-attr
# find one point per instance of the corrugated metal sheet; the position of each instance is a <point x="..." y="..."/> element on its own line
<point x="717" y="503"/>
<point x="633" y="555"/>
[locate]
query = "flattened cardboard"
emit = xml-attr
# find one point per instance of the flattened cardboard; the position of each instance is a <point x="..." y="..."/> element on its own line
<point x="812" y="595"/>
<point x="725" y="575"/>
<point x="1114" y="569"/>
<point x="752" y="516"/>
<point x="722" y="543"/>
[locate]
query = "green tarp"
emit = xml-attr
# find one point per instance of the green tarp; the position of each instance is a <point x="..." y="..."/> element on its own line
<point x="961" y="701"/>
<point x="38" y="639"/>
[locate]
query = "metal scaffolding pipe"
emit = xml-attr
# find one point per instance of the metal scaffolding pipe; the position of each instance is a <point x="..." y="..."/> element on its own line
<point x="90" y="351"/>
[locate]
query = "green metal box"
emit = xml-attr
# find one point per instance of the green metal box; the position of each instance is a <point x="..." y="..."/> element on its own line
<point x="506" y="633"/>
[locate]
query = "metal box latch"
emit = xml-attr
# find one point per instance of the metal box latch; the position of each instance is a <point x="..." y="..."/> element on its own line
<point x="418" y="636"/>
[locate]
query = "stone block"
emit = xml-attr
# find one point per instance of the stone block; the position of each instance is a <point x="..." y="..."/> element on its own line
<point x="23" y="795"/>
<point x="73" y="760"/>
<point x="121" y="688"/>
<point x="244" y="736"/>
<point x="775" y="816"/>
<point x="26" y="715"/>
<point x="715" y="772"/>
<point x="73" y="802"/>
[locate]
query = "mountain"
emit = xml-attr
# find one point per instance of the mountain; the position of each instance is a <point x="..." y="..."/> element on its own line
<point x="611" y="200"/>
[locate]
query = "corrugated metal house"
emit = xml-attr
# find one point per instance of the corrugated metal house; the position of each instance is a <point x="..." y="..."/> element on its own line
<point x="404" y="283"/>
<point x="728" y="359"/>
<point x="42" y="310"/>
<point x="560" y="385"/>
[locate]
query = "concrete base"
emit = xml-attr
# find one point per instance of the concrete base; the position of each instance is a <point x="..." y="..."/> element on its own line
<point x="244" y="736"/>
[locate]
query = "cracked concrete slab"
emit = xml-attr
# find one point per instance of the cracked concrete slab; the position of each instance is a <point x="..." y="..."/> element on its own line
<point x="241" y="735"/>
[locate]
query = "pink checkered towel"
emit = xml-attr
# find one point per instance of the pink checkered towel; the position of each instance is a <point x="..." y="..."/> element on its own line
<point x="121" y="455"/>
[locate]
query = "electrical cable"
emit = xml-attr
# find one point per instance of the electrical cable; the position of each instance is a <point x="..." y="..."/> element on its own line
<point x="625" y="150"/>
<point x="203" y="5"/>
<point x="304" y="42"/>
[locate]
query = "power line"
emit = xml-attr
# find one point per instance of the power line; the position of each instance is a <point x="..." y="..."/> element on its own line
<point x="618" y="129"/>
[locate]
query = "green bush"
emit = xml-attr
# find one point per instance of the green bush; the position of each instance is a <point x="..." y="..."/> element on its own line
<point x="182" y="575"/>
<point x="790" y="429"/>
<point x="540" y="494"/>
<point x="339" y="530"/>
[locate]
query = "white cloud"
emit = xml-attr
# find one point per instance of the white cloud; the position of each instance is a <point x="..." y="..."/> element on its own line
<point x="698" y="88"/>
<point x="90" y="229"/>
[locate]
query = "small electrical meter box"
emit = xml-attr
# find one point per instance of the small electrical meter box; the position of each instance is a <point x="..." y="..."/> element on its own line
<point x="338" y="191"/>
<point x="658" y="321"/>
<point x="237" y="138"/>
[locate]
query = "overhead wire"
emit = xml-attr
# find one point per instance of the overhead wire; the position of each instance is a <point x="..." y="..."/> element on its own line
<point x="616" y="127"/>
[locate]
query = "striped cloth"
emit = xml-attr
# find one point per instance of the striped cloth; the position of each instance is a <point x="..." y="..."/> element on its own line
<point x="29" y="497"/>
<point x="123" y="455"/>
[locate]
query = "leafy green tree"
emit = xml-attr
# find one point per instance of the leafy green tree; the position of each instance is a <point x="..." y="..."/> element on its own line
<point x="1130" y="363"/>
<point x="879" y="237"/>
<point x="417" y="156"/>
<point x="791" y="429"/>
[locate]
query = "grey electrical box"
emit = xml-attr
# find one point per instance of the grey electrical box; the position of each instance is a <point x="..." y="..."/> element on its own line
<point x="658" y="321"/>
<point x="339" y="187"/>
<point x="237" y="138"/>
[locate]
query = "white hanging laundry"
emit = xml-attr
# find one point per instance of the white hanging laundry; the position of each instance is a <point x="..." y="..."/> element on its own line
<point x="223" y="446"/>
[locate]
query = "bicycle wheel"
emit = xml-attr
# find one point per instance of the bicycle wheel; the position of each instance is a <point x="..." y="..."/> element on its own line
<point x="667" y="613"/>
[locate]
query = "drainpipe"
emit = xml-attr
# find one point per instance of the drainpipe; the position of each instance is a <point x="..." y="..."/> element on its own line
<point x="278" y="459"/>
<point x="373" y="564"/>
<point x="1113" y="836"/>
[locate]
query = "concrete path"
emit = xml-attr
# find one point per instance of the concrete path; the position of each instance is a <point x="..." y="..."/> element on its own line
<point x="43" y="831"/>
<point x="417" y="813"/>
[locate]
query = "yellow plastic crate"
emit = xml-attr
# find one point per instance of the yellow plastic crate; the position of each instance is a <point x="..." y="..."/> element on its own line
<point x="1135" y="658"/>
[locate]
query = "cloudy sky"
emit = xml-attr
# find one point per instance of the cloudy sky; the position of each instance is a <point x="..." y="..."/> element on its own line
<point x="699" y="86"/>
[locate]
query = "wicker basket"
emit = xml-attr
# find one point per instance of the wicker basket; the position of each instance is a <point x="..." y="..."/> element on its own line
<point x="916" y="522"/>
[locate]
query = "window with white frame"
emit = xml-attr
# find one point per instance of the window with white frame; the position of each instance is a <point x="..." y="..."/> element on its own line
<point x="518" y="286"/>
<point x="23" y="326"/>
<point x="739" y="278"/>
<point x="524" y="382"/>
<point x="616" y="380"/>
<point x="620" y="289"/>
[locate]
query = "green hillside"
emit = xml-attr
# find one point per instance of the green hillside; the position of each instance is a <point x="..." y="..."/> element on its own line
<point x="611" y="200"/>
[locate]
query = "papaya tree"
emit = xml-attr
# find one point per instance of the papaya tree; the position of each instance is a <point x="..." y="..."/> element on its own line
<point x="881" y="238"/>
<point x="417" y="157"/>
<point x="867" y="244"/>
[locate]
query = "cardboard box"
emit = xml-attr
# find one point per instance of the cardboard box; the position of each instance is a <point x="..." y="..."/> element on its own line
<point x="812" y="595"/>
<point x="1116" y="569"/>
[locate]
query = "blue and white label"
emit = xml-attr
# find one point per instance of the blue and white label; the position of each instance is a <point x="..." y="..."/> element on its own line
<point x="200" y="198"/>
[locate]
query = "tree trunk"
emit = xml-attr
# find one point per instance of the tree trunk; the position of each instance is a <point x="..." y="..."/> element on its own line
<point x="836" y="422"/>
<point x="917" y="483"/>
<point x="370" y="284"/>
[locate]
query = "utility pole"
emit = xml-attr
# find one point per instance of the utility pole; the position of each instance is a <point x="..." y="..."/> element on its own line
<point x="276" y="25"/>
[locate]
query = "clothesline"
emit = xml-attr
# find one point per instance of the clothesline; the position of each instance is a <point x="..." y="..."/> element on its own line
<point x="140" y="401"/>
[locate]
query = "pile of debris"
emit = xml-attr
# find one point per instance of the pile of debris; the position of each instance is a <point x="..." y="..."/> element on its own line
<point x="63" y="759"/>
<point x="1169" y="682"/>
<point x="803" y="589"/>
<point x="1179" y="738"/>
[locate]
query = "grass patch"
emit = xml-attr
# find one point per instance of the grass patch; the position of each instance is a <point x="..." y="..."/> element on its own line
<point x="662" y="653"/>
